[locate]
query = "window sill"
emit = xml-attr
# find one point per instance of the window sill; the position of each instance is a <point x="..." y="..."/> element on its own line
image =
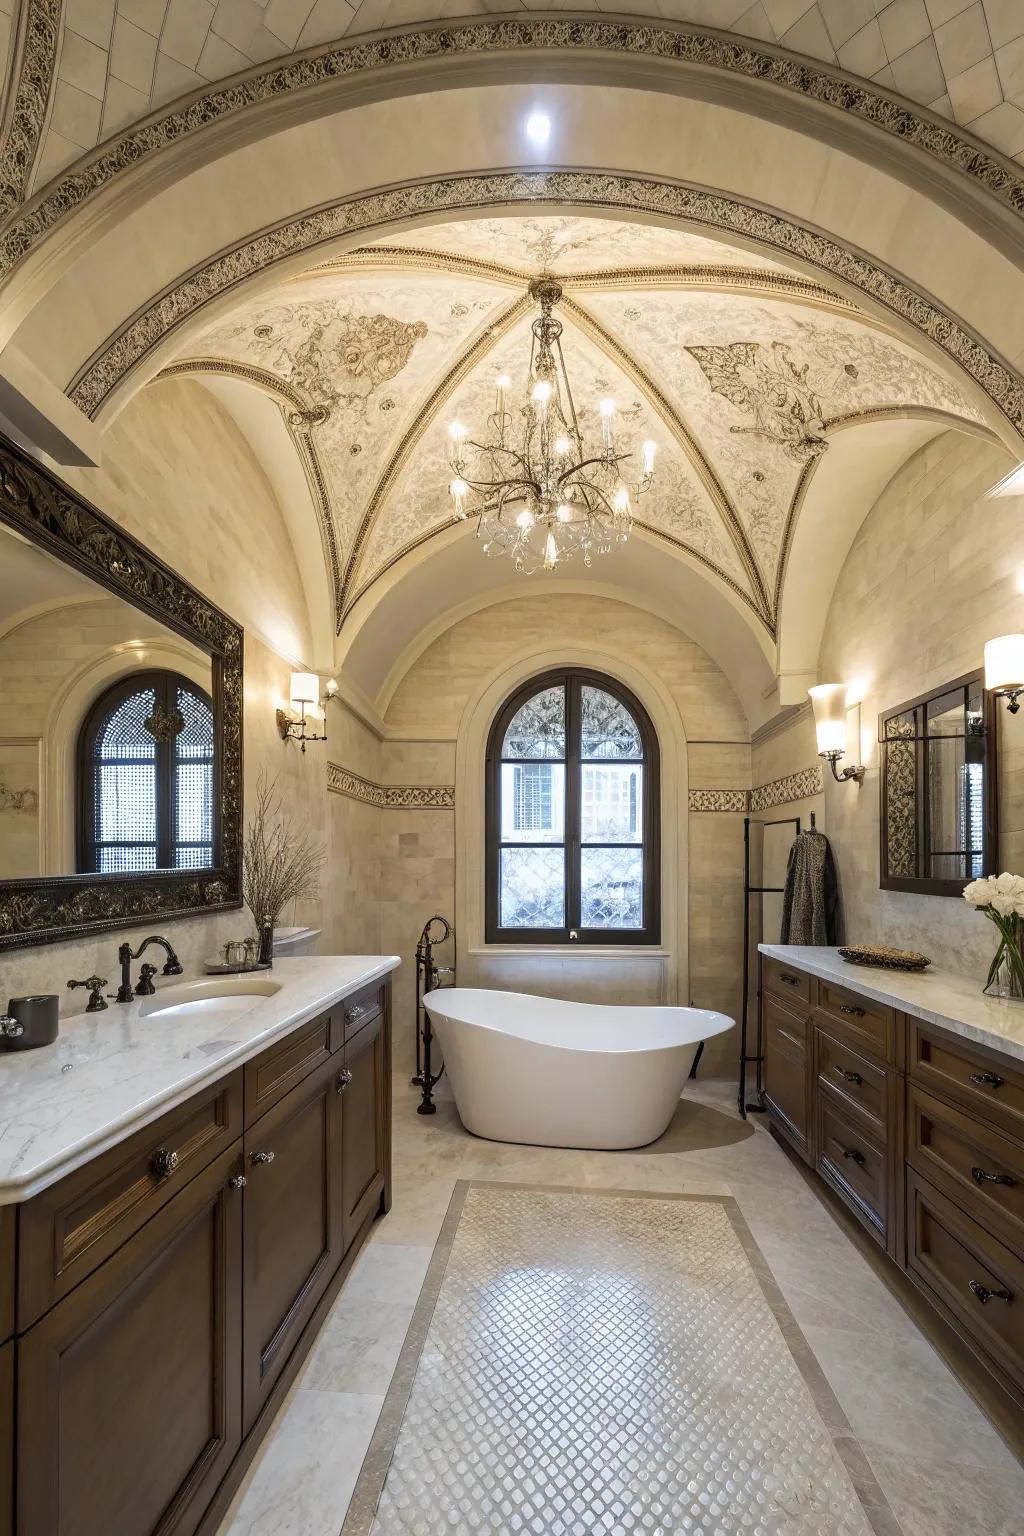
<point x="573" y="951"/>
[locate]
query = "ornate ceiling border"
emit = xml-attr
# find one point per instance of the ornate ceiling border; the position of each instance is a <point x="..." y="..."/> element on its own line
<point x="723" y="53"/>
<point x="180" y="302"/>
<point x="301" y="417"/>
<point x="31" y="79"/>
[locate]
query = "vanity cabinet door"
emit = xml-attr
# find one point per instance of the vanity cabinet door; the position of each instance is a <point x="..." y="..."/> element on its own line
<point x="128" y="1389"/>
<point x="365" y="1085"/>
<point x="787" y="1073"/>
<point x="7" y="1438"/>
<point x="293" y="1225"/>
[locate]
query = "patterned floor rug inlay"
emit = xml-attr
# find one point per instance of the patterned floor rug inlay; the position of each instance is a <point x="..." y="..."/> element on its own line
<point x="589" y="1362"/>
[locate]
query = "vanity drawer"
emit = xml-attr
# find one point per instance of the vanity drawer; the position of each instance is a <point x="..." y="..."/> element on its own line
<point x="854" y="1164"/>
<point x="989" y="1085"/>
<point x="974" y="1279"/>
<point x="284" y="1065"/>
<point x="794" y="987"/>
<point x="67" y="1231"/>
<point x="861" y="1084"/>
<point x="363" y="1007"/>
<point x="869" y="1025"/>
<point x="975" y="1165"/>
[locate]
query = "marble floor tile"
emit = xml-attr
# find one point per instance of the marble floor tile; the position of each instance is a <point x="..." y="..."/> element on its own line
<point x="950" y="1498"/>
<point x="388" y="1272"/>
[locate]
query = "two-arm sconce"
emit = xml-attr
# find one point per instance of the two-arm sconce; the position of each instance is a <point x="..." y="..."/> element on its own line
<point x="1004" y="669"/>
<point x="305" y="694"/>
<point x="828" y="700"/>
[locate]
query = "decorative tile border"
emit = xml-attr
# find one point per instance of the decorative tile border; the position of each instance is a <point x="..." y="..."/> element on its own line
<point x="795" y="786"/>
<point x="935" y="137"/>
<point x="390" y="797"/>
<point x="718" y="799"/>
<point x="39" y="29"/>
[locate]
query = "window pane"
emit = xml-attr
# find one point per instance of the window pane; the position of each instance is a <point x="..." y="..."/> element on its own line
<point x="532" y="802"/>
<point x="193" y="803"/>
<point x="532" y="891"/>
<point x="195" y="739"/>
<point x="194" y="858"/>
<point x="612" y="887"/>
<point x="125" y="802"/>
<point x="612" y="802"/>
<point x="608" y="728"/>
<point x="112" y="861"/>
<point x="538" y="727"/>
<point x="124" y="734"/>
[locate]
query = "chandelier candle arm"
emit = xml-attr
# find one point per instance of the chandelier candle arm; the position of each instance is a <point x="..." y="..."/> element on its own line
<point x="539" y="494"/>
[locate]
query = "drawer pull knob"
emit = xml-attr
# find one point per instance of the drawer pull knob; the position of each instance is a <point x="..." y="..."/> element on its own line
<point x="981" y="1177"/>
<point x="985" y="1295"/>
<point x="237" y="1181"/>
<point x="854" y="1156"/>
<point x="791" y="981"/>
<point x="987" y="1079"/>
<point x="164" y="1162"/>
<point x="857" y="1013"/>
<point x="256" y="1158"/>
<point x="344" y="1078"/>
<point x="356" y="1012"/>
<point x="848" y="1077"/>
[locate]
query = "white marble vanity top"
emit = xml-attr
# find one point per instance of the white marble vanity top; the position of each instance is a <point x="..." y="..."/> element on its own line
<point x="938" y="997"/>
<point x="110" y="1073"/>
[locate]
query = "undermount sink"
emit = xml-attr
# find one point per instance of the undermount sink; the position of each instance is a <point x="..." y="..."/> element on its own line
<point x="220" y="995"/>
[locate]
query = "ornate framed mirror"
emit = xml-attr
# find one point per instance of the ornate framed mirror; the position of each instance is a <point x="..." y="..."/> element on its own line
<point x="939" y="806"/>
<point x="120" y="724"/>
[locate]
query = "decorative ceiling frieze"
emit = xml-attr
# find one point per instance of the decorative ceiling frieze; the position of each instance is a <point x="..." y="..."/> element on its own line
<point x="34" y="62"/>
<point x="933" y="137"/>
<point x="180" y="303"/>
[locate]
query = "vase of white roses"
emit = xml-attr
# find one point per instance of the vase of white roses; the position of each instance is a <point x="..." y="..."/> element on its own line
<point x="1001" y="898"/>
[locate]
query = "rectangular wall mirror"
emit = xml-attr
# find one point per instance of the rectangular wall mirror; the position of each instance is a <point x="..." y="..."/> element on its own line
<point x="120" y="724"/>
<point x="939" y="826"/>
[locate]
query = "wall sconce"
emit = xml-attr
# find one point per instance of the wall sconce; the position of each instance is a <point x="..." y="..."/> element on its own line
<point x="305" y="694"/>
<point x="828" y="700"/>
<point x="1004" y="669"/>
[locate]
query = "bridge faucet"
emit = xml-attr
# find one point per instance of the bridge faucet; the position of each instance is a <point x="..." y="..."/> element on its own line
<point x="125" y="955"/>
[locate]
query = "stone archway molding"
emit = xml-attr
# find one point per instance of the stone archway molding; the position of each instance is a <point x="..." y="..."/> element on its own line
<point x="916" y="144"/>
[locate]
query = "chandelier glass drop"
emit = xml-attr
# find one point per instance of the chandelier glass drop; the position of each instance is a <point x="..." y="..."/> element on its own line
<point x="539" y="492"/>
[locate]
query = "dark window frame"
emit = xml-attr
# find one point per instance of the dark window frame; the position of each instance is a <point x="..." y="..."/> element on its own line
<point x="166" y="685"/>
<point x="574" y="679"/>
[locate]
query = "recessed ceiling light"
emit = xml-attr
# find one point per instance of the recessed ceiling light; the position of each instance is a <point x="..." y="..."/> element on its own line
<point x="538" y="127"/>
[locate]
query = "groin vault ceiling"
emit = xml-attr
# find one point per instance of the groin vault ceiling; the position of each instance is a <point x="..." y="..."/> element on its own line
<point x="737" y="366"/>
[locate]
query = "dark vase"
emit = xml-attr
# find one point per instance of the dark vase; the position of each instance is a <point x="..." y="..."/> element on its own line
<point x="266" y="955"/>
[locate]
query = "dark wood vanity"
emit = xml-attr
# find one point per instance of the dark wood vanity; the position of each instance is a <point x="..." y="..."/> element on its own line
<point x="158" y="1300"/>
<point x="920" y="1133"/>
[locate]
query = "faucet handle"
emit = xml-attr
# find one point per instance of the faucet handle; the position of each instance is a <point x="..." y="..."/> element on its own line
<point x="97" y="1002"/>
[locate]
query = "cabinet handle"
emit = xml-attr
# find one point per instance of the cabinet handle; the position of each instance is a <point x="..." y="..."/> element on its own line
<point x="854" y="1155"/>
<point x="256" y="1158"/>
<point x="163" y="1162"/>
<point x="791" y="981"/>
<point x="344" y="1078"/>
<point x="857" y="1013"/>
<point x="848" y="1077"/>
<point x="984" y="1295"/>
<point x="987" y="1079"/>
<point x="981" y="1177"/>
<point x="237" y="1181"/>
<point x="355" y="1013"/>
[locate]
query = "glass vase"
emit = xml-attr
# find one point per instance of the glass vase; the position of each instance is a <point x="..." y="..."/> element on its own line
<point x="1005" y="978"/>
<point x="266" y="932"/>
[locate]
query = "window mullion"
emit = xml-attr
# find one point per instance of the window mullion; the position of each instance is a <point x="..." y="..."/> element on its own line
<point x="165" y="695"/>
<point x="573" y="782"/>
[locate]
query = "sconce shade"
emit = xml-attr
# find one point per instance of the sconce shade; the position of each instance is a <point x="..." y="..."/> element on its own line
<point x="1004" y="662"/>
<point x="305" y="690"/>
<point x="828" y="700"/>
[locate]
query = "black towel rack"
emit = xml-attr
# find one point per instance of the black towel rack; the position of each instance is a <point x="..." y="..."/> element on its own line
<point x="756" y="1056"/>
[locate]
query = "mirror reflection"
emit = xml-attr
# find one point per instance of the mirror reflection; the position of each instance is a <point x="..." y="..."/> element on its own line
<point x="106" y="729"/>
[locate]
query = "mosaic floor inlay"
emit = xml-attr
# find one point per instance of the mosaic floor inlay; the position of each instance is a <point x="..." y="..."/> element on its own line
<point x="605" y="1362"/>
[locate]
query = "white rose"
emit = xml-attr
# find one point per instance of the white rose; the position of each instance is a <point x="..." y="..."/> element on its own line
<point x="1004" y="904"/>
<point x="978" y="893"/>
<point x="1004" y="883"/>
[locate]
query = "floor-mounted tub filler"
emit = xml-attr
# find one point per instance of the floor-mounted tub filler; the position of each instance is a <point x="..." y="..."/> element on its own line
<point x="558" y="1074"/>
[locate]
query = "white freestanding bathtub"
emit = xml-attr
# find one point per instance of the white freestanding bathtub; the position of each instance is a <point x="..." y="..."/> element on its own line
<point x="557" y="1074"/>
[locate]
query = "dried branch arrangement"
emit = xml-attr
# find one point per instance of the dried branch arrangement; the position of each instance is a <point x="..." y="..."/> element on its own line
<point x="280" y="864"/>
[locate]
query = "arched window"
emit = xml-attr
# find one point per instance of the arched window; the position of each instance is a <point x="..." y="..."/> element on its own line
<point x="145" y="777"/>
<point x="572" y="815"/>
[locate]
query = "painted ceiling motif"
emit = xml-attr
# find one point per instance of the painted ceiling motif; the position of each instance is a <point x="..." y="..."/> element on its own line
<point x="740" y="381"/>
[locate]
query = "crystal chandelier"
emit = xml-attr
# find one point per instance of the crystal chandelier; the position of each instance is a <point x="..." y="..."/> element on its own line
<point x="539" y="492"/>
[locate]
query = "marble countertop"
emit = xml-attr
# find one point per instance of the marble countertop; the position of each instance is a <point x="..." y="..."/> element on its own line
<point x="938" y="997"/>
<point x="108" y="1074"/>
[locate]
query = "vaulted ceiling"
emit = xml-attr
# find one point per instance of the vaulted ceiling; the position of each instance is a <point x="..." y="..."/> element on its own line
<point x="740" y="368"/>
